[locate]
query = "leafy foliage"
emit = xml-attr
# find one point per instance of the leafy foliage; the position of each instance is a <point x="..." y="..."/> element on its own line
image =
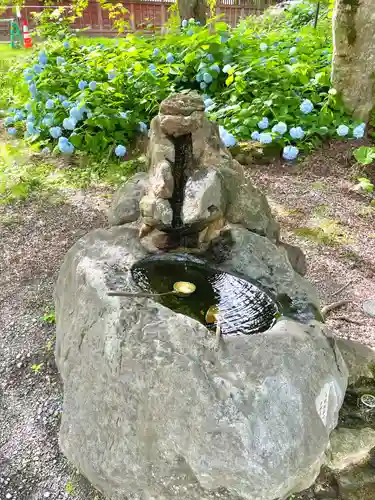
<point x="267" y="80"/>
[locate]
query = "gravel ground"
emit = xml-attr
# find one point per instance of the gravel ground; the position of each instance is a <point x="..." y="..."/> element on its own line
<point x="34" y="239"/>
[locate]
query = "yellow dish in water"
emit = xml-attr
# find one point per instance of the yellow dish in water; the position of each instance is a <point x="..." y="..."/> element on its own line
<point x="212" y="314"/>
<point x="184" y="287"/>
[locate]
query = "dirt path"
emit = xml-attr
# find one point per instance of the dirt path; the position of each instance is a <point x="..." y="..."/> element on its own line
<point x="319" y="194"/>
<point x="34" y="239"/>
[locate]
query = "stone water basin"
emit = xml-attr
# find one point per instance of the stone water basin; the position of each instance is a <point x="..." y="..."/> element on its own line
<point x="242" y="306"/>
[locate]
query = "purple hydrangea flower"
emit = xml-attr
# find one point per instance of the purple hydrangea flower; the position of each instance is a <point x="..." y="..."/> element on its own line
<point x="12" y="131"/>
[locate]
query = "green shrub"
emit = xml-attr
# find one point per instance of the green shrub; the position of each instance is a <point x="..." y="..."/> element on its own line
<point x="273" y="71"/>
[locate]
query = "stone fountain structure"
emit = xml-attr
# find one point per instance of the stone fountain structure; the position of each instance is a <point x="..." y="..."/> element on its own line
<point x="152" y="409"/>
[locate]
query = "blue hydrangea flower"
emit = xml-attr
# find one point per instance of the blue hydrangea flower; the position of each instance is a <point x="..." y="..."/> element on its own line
<point x="156" y="52"/>
<point x="290" y="153"/>
<point x="203" y="85"/>
<point x="152" y="69"/>
<point x="297" y="133"/>
<point x="69" y="123"/>
<point x="228" y="139"/>
<point x="208" y="102"/>
<point x="47" y="121"/>
<point x="32" y="89"/>
<point x="280" y="128"/>
<point x="342" y="130"/>
<point x="120" y="150"/>
<point x="124" y="114"/>
<point x="306" y="106"/>
<point x="292" y="51"/>
<point x="293" y="60"/>
<point x="298" y="39"/>
<point x="92" y="85"/>
<point x="30" y="128"/>
<point x="190" y="32"/>
<point x="61" y="98"/>
<point x="55" y="132"/>
<point x="224" y="38"/>
<point x="30" y="117"/>
<point x="28" y="106"/>
<point x="60" y="60"/>
<point x="50" y="104"/>
<point x="207" y="78"/>
<point x="28" y="77"/>
<point x="199" y="77"/>
<point x="19" y="116"/>
<point x="76" y="113"/>
<point x="210" y="57"/>
<point x="170" y="58"/>
<point x="46" y="151"/>
<point x="184" y="23"/>
<point x="42" y="58"/>
<point x="37" y="69"/>
<point x="143" y="127"/>
<point x="66" y="104"/>
<point x="111" y="74"/>
<point x="227" y="68"/>
<point x="359" y="131"/>
<point x="12" y="131"/>
<point x="263" y="123"/>
<point x="66" y="45"/>
<point x="255" y="135"/>
<point x="9" y="120"/>
<point x="265" y="138"/>
<point x="82" y="84"/>
<point x="263" y="47"/>
<point x="215" y="67"/>
<point x="65" y="146"/>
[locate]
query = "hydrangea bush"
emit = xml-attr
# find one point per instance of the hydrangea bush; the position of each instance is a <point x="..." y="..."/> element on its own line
<point x="268" y="80"/>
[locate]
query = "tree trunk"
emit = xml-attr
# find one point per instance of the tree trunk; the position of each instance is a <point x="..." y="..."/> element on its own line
<point x="354" y="55"/>
<point x="196" y="9"/>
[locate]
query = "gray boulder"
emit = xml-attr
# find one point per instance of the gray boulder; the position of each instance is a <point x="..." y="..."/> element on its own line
<point x="125" y="203"/>
<point x="152" y="411"/>
<point x="204" y="197"/>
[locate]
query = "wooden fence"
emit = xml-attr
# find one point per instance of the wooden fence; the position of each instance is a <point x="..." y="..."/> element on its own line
<point x="148" y="15"/>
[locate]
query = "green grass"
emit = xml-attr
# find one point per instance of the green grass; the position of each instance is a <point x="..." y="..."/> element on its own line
<point x="8" y="58"/>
